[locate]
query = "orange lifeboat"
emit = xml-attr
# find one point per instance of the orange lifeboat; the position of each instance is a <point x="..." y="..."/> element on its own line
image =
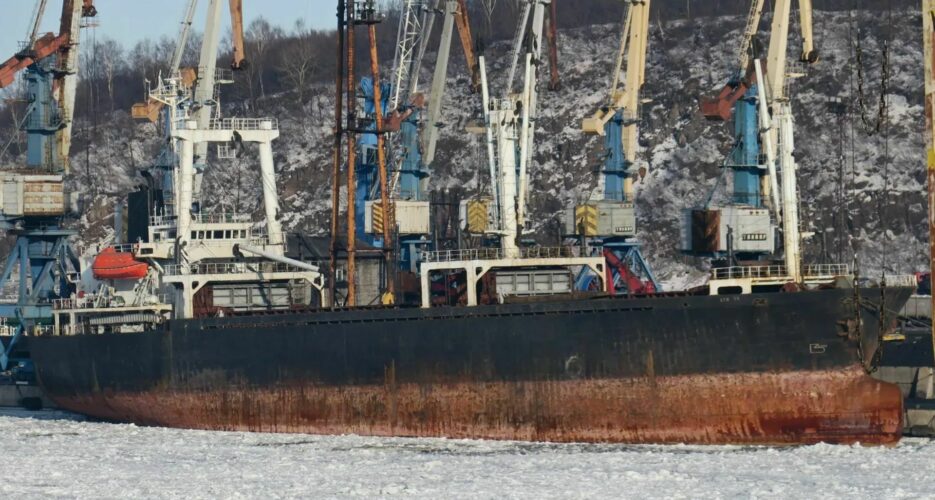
<point x="113" y="265"/>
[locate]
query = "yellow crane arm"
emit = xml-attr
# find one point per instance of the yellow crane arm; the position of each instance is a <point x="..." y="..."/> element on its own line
<point x="634" y="42"/>
<point x="809" y="54"/>
<point x="753" y="24"/>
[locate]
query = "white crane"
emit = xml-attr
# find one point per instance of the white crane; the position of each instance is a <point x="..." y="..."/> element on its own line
<point x="510" y="130"/>
<point x="777" y="124"/>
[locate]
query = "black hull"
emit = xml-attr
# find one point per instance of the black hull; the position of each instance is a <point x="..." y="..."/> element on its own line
<point x="762" y="368"/>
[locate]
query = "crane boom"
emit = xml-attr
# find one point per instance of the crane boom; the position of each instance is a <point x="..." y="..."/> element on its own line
<point x="749" y="32"/>
<point x="809" y="54"/>
<point x="36" y="20"/>
<point x="39" y="47"/>
<point x="530" y="105"/>
<point x="778" y="46"/>
<point x="431" y="129"/>
<point x="426" y="24"/>
<point x="467" y="44"/>
<point x="406" y="45"/>
<point x="43" y="47"/>
<point x="633" y="47"/>
<point x="67" y="74"/>
<point x="517" y="45"/>
<point x="182" y="39"/>
<point x="236" y="9"/>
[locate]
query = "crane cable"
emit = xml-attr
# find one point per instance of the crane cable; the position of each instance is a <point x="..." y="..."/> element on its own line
<point x="873" y="126"/>
<point x="879" y="125"/>
<point x="886" y="192"/>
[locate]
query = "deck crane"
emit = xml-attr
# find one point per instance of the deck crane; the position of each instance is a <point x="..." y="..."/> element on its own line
<point x="33" y="200"/>
<point x="761" y="159"/>
<point x="490" y="275"/>
<point x="610" y="221"/>
<point x="482" y="214"/>
<point x="509" y="124"/>
<point x="411" y="129"/>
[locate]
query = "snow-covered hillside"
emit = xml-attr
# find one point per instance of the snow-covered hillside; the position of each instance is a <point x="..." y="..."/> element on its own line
<point x="879" y="214"/>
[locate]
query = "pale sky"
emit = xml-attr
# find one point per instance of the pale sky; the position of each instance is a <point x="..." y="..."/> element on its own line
<point x="129" y="21"/>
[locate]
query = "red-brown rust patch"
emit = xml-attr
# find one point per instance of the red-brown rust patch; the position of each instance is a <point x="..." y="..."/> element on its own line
<point x="843" y="406"/>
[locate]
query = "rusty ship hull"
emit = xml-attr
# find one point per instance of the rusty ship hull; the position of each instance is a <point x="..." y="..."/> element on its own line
<point x="777" y="368"/>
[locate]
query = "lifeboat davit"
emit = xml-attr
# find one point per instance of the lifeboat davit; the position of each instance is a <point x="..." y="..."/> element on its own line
<point x="113" y="265"/>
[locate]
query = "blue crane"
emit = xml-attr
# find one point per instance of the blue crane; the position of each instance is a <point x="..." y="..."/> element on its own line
<point x="33" y="198"/>
<point x="609" y="223"/>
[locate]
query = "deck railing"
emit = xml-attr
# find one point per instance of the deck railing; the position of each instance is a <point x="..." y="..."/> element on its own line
<point x="92" y="301"/>
<point x="232" y="268"/>
<point x="817" y="270"/>
<point x="762" y="272"/>
<point x="221" y="218"/>
<point x="496" y="253"/>
<point x="244" y="124"/>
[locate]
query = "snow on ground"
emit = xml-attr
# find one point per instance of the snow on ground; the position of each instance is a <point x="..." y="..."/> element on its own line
<point x="55" y="456"/>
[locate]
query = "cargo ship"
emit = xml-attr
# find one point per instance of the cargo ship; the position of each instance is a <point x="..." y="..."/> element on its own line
<point x="760" y="368"/>
<point x="214" y="321"/>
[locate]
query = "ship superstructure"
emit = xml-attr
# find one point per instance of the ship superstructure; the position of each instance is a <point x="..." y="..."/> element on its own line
<point x="187" y="262"/>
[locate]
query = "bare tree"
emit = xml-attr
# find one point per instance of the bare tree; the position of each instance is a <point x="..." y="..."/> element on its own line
<point x="111" y="57"/>
<point x="297" y="63"/>
<point x="259" y="39"/>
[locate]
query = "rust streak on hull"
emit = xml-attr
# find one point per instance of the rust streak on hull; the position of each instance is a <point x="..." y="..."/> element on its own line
<point x="800" y="407"/>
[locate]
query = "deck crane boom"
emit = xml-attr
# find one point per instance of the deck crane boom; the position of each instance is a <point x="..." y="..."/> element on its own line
<point x="610" y="220"/>
<point x="42" y="257"/>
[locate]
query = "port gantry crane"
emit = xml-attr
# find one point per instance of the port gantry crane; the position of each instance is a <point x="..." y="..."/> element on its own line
<point x="33" y="198"/>
<point x="744" y="230"/>
<point x="410" y="131"/>
<point x="609" y="223"/>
